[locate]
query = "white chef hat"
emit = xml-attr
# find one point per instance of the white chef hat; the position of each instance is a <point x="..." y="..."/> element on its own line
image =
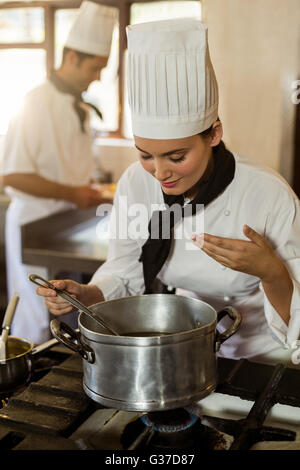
<point x="92" y="29"/>
<point x="172" y="88"/>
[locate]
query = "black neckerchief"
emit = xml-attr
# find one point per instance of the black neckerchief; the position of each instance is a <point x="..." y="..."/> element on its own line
<point x="64" y="87"/>
<point x="156" y="250"/>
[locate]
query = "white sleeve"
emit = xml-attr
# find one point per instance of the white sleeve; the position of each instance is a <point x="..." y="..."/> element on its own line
<point x="21" y="141"/>
<point x="284" y="230"/>
<point x="122" y="273"/>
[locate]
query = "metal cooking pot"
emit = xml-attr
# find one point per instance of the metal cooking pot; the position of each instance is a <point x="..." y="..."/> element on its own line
<point x="17" y="368"/>
<point x="165" y="357"/>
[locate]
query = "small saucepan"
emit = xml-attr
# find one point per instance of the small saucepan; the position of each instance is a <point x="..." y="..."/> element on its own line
<point x="17" y="368"/>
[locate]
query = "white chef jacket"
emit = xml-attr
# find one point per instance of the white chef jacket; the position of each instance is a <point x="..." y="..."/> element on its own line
<point x="43" y="138"/>
<point x="258" y="197"/>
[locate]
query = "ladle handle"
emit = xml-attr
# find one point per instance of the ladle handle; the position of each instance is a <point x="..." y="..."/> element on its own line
<point x="10" y="311"/>
<point x="66" y="296"/>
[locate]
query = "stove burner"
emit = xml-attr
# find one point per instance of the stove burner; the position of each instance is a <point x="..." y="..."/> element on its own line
<point x="170" y="421"/>
<point x="173" y="429"/>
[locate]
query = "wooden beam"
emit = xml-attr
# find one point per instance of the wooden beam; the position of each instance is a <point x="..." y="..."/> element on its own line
<point x="109" y="3"/>
<point x="50" y="38"/>
<point x="124" y="20"/>
<point x="296" y="173"/>
<point x="40" y="3"/>
<point x="23" y="45"/>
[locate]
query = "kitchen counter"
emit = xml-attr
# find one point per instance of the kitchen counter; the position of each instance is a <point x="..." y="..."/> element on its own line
<point x="72" y="240"/>
<point x="4" y="203"/>
<point x="4" y="199"/>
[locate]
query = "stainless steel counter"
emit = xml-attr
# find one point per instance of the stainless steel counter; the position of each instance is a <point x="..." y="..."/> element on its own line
<point x="67" y="241"/>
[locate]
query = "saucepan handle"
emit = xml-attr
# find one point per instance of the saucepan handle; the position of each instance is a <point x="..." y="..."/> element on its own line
<point x="237" y="319"/>
<point x="44" y="346"/>
<point x="71" y="339"/>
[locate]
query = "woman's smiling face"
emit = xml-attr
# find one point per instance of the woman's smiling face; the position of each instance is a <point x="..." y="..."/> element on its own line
<point x="177" y="164"/>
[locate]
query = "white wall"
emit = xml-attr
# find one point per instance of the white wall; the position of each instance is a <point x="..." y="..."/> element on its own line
<point x="115" y="155"/>
<point x="2" y="137"/>
<point x="254" y="46"/>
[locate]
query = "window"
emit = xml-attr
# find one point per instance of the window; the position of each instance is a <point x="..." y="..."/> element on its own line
<point x="24" y="67"/>
<point x="105" y="93"/>
<point x="151" y="11"/>
<point x="21" y="70"/>
<point x="63" y="22"/>
<point x="22" y="25"/>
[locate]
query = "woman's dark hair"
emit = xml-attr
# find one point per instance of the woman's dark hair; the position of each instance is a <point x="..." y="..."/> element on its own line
<point x="81" y="55"/>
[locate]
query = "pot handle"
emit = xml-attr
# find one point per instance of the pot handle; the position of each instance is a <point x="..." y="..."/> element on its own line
<point x="237" y="319"/>
<point x="71" y="339"/>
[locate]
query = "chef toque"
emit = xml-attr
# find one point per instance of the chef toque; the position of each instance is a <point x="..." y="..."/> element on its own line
<point x="172" y="88"/>
<point x="92" y="29"/>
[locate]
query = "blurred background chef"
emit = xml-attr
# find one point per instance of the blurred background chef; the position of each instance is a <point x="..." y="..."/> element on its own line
<point x="49" y="163"/>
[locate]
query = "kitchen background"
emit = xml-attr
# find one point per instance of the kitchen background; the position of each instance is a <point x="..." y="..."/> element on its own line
<point x="255" y="49"/>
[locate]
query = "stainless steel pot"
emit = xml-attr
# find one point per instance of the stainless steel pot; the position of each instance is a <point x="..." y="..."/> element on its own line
<point x="17" y="368"/>
<point x="165" y="357"/>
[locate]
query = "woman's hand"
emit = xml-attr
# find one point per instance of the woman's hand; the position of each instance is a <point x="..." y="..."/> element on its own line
<point x="255" y="257"/>
<point x="86" y="294"/>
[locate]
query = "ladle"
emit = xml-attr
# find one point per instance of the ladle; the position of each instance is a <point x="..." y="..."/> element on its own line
<point x="8" y="318"/>
<point x="75" y="303"/>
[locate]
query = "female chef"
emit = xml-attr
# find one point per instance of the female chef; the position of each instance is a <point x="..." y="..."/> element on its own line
<point x="248" y="256"/>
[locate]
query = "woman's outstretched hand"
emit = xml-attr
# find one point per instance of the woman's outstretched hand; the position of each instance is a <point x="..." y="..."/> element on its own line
<point x="255" y="257"/>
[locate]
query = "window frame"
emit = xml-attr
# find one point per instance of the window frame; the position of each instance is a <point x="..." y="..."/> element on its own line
<point x="50" y="7"/>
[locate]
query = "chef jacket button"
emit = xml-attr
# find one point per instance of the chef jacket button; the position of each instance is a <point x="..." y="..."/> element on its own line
<point x="223" y="267"/>
<point x="227" y="212"/>
<point x="226" y="298"/>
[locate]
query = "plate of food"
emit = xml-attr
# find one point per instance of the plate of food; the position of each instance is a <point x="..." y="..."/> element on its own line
<point x="107" y="190"/>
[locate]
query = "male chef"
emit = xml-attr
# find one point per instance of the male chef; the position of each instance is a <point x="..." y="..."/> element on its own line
<point x="48" y="159"/>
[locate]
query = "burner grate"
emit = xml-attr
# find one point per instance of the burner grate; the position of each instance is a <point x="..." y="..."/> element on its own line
<point x="247" y="380"/>
<point x="53" y="406"/>
<point x="249" y="431"/>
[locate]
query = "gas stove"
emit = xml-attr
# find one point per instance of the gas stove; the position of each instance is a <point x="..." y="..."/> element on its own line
<point x="255" y="406"/>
